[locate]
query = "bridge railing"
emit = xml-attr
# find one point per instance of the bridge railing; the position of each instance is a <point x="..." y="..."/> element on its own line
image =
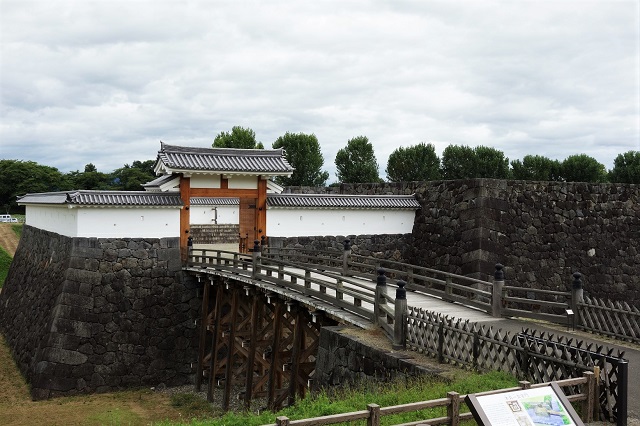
<point x="448" y="286"/>
<point x="368" y="299"/>
<point x="494" y="297"/>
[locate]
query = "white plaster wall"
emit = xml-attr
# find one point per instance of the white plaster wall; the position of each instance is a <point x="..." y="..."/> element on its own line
<point x="206" y="215"/>
<point x="243" y="182"/>
<point x="59" y="219"/>
<point x="294" y="223"/>
<point x="205" y="181"/>
<point x="228" y="214"/>
<point x="128" y="222"/>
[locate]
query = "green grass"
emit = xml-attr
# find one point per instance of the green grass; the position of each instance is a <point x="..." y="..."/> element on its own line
<point x="348" y="400"/>
<point x="17" y="229"/>
<point x="5" y="262"/>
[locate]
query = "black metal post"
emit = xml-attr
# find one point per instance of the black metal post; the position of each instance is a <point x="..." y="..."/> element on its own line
<point x="623" y="382"/>
<point x="400" y="312"/>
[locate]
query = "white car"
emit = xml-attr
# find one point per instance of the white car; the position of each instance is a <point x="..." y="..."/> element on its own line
<point x="7" y="218"/>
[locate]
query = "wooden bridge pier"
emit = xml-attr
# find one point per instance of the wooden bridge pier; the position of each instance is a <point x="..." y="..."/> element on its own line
<point x="255" y="344"/>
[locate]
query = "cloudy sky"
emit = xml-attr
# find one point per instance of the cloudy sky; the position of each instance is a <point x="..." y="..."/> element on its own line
<point x="103" y="82"/>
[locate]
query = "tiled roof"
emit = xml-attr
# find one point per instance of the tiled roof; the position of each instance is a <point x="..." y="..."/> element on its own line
<point x="342" y="201"/>
<point x="158" y="182"/>
<point x="105" y="198"/>
<point x="214" y="201"/>
<point x="224" y="160"/>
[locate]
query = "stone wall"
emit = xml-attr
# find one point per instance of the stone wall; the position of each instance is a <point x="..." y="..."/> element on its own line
<point x="541" y="231"/>
<point x="224" y="233"/>
<point x="344" y="359"/>
<point x="392" y="247"/>
<point x="95" y="315"/>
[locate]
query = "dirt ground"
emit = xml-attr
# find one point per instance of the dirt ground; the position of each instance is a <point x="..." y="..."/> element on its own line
<point x="8" y="238"/>
<point x="135" y="407"/>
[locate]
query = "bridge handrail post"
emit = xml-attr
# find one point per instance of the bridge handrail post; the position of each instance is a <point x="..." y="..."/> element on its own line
<point x="189" y="248"/>
<point x="381" y="295"/>
<point x="577" y="297"/>
<point x="256" y="259"/>
<point x="400" y="313"/>
<point x="496" y="291"/>
<point x="346" y="254"/>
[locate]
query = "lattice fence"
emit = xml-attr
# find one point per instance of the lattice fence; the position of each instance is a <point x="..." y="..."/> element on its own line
<point x="537" y="357"/>
<point x="616" y="319"/>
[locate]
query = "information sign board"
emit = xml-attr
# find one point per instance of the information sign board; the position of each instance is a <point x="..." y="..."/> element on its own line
<point x="543" y="406"/>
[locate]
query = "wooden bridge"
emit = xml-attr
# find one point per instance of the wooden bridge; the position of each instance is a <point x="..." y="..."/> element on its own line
<point x="262" y="312"/>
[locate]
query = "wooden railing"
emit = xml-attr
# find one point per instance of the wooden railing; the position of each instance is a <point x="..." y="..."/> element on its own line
<point x="353" y="295"/>
<point x="453" y="402"/>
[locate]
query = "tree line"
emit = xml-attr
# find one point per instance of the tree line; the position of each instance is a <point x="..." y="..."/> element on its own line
<point x="355" y="163"/>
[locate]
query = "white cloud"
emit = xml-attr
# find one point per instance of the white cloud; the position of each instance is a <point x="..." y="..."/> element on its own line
<point x="103" y="81"/>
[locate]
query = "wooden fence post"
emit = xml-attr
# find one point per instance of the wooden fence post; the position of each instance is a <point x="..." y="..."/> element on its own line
<point x="453" y="408"/>
<point x="400" y="313"/>
<point x="374" y="415"/>
<point x="282" y="421"/>
<point x="576" y="297"/>
<point x="345" y="257"/>
<point x="590" y="391"/>
<point x="441" y="341"/>
<point x="256" y="259"/>
<point x="496" y="292"/>
<point x="381" y="295"/>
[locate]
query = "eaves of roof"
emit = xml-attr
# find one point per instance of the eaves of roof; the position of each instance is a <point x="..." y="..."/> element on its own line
<point x="272" y="162"/>
<point x="214" y="201"/>
<point x="104" y="198"/>
<point x="333" y="201"/>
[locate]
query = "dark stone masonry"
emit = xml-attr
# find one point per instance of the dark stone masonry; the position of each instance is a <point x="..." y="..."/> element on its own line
<point x="344" y="359"/>
<point x="95" y="315"/>
<point x="541" y="232"/>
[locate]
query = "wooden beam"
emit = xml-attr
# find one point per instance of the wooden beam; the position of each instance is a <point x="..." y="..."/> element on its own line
<point x="213" y="361"/>
<point x="261" y="206"/>
<point x="203" y="333"/>
<point x="228" y="376"/>
<point x="251" y="356"/>
<point x="224" y="192"/>
<point x="185" y="195"/>
<point x="298" y="340"/>
<point x="275" y="355"/>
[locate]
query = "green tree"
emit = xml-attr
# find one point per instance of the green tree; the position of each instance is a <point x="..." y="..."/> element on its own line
<point x="239" y="137"/>
<point x="18" y="178"/>
<point x="302" y="151"/>
<point x="356" y="163"/>
<point x="583" y="168"/>
<point x="415" y="163"/>
<point x="626" y="168"/>
<point x="536" y="167"/>
<point x="91" y="178"/>
<point x="132" y="177"/>
<point x="463" y="162"/>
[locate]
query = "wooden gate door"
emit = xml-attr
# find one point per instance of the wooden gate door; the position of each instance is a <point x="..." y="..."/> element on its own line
<point x="247" y="218"/>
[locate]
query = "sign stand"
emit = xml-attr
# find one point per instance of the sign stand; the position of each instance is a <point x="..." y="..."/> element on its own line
<point x="541" y="406"/>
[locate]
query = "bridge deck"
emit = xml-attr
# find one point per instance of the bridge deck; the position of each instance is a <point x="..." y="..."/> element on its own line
<point x="295" y="290"/>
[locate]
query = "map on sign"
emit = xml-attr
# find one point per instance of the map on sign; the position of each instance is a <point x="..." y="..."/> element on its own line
<point x="526" y="407"/>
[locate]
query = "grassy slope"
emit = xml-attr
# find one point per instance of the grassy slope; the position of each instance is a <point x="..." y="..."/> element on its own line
<point x="5" y="262"/>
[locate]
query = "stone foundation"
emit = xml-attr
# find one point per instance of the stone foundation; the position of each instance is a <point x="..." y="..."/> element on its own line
<point x="95" y="315"/>
<point x="344" y="359"/>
